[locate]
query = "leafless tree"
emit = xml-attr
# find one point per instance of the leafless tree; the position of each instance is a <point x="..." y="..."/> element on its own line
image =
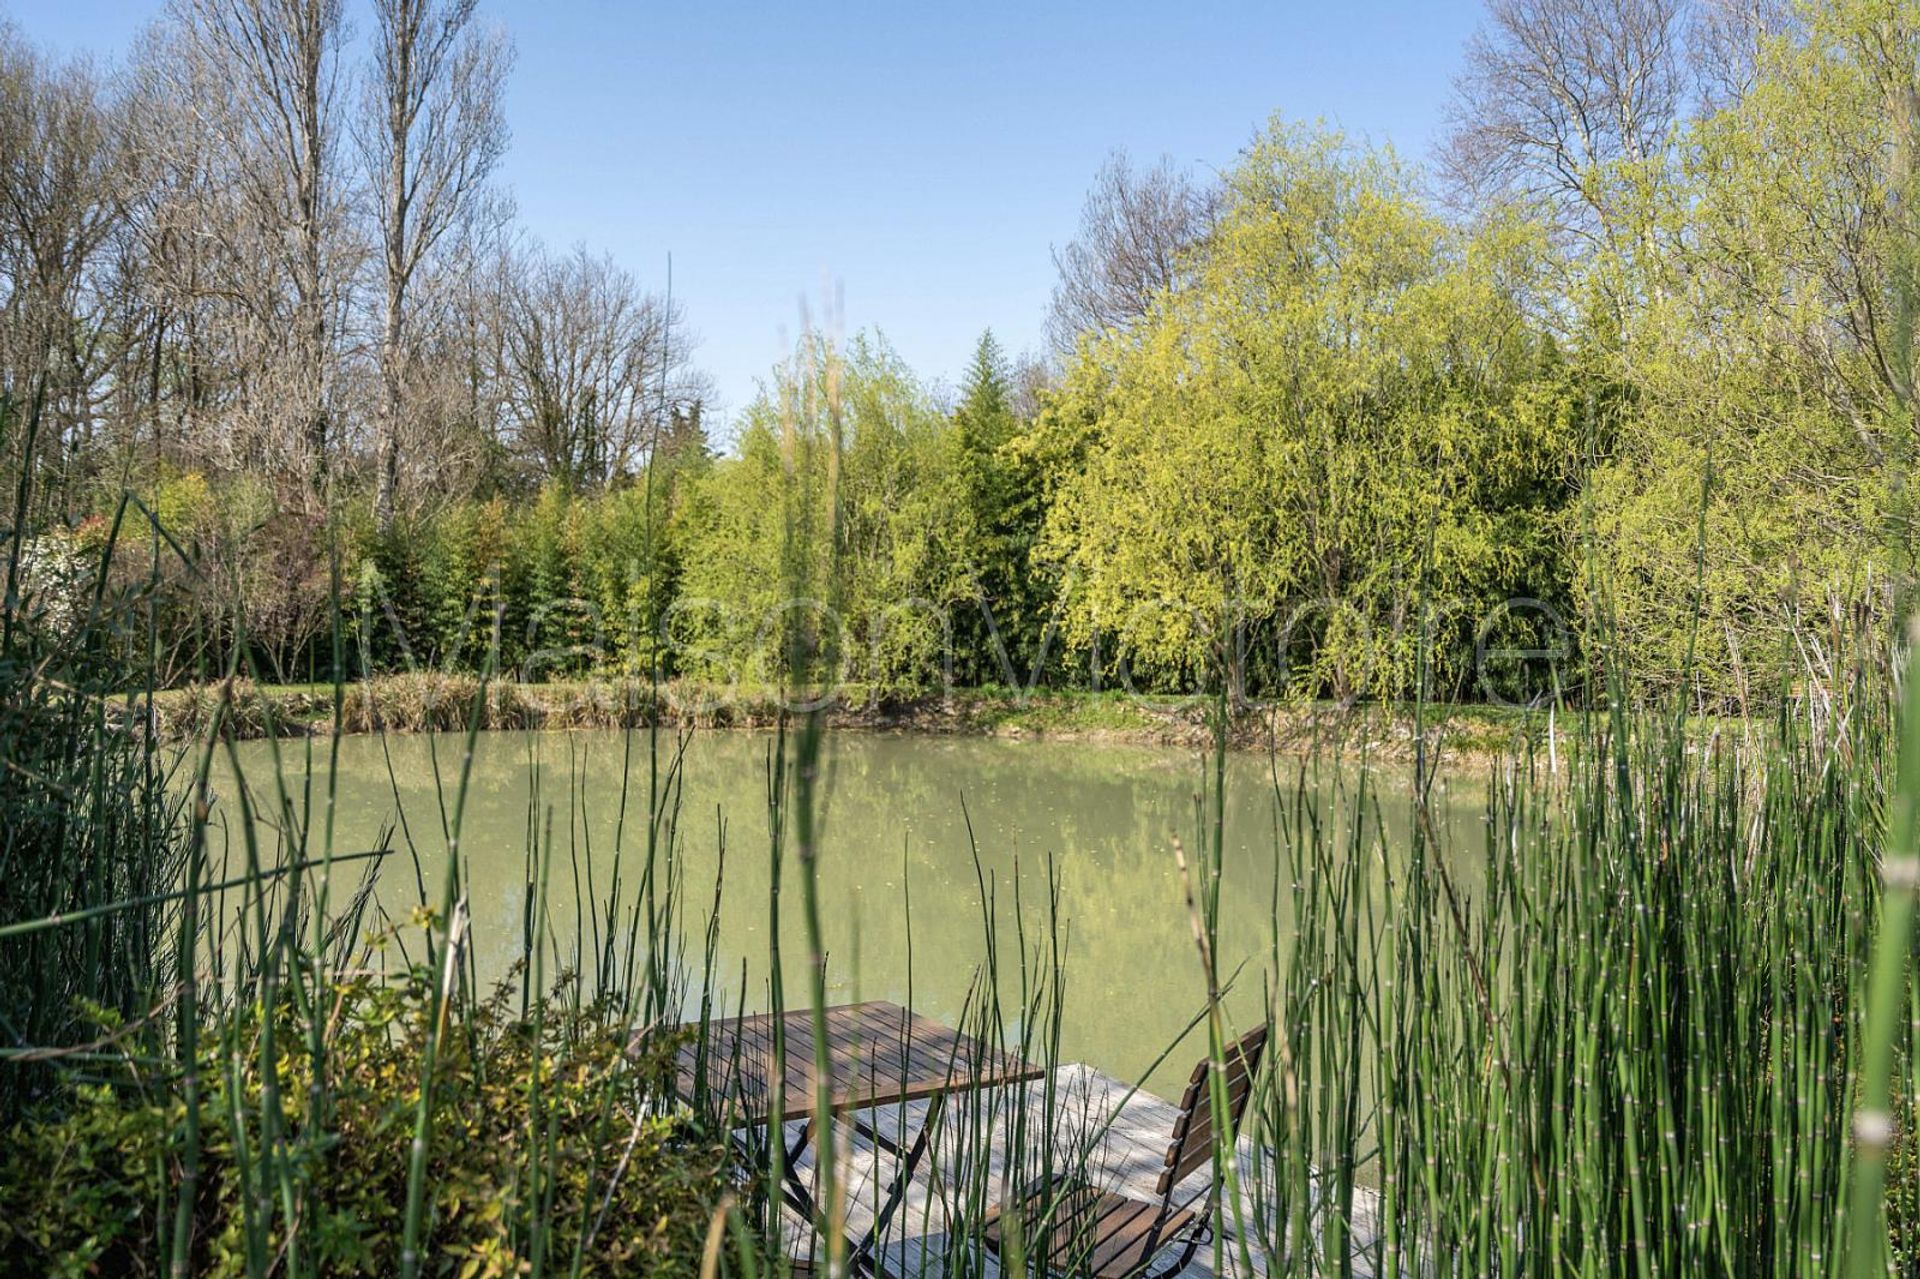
<point x="264" y="77"/>
<point x="592" y="364"/>
<point x="193" y="262"/>
<point x="191" y="268"/>
<point x="61" y="204"/>
<point x="1724" y="44"/>
<point x="1134" y="229"/>
<point x="1557" y="92"/>
<point x="453" y="391"/>
<point x="1028" y="382"/>
<point x="430" y="133"/>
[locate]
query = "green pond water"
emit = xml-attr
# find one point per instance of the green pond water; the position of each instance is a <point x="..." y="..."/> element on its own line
<point x="896" y="814"/>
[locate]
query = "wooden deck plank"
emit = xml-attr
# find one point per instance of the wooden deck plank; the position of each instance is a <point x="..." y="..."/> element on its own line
<point x="877" y="1053"/>
<point x="1128" y="1162"/>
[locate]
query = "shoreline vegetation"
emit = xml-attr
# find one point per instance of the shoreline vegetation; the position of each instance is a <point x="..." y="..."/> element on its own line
<point x="446" y="703"/>
<point x="1628" y="430"/>
<point x="1701" y="1048"/>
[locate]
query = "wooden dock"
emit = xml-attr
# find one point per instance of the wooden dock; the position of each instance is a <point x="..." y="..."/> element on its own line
<point x="1120" y="1140"/>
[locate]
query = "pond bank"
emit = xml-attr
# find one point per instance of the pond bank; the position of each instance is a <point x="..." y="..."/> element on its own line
<point x="444" y="703"/>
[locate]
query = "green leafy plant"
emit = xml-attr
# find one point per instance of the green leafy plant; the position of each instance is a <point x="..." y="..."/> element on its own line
<point x="551" y="1141"/>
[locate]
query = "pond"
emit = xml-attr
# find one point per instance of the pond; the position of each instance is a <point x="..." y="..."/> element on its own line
<point x="904" y="818"/>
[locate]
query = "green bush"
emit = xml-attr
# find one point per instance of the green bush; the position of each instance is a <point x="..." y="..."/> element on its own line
<point x="548" y="1134"/>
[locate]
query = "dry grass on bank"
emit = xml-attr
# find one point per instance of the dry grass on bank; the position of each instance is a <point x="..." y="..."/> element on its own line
<point x="443" y="703"/>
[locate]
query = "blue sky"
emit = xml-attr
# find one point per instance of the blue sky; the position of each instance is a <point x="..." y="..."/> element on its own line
<point x="918" y="160"/>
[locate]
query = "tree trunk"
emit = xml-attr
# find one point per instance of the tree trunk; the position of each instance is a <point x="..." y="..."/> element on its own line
<point x="399" y="125"/>
<point x="387" y="423"/>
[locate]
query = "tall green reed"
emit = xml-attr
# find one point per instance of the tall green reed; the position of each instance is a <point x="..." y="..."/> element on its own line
<point x="1628" y="1049"/>
<point x="90" y="830"/>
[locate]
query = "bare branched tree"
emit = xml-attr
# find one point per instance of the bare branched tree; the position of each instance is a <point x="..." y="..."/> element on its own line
<point x="1134" y="229"/>
<point x="592" y="362"/>
<point x="198" y="273"/>
<point x="430" y="133"/>
<point x="453" y="394"/>
<point x="1557" y="92"/>
<point x="1724" y="43"/>
<point x="183" y="242"/>
<point x="1028" y="383"/>
<point x="62" y="171"/>
<point x="264" y="77"/>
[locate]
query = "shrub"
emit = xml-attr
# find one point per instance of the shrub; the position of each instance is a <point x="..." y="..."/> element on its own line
<point x="548" y="1134"/>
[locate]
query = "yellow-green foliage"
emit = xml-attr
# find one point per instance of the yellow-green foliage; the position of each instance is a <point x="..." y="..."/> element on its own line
<point x="1342" y="403"/>
<point x="847" y="446"/>
<point x="562" y="1129"/>
<point x="1351" y="429"/>
<point x="1769" y="352"/>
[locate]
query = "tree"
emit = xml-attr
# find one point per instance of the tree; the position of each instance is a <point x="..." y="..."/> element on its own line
<point x="192" y="272"/>
<point x="1340" y="416"/>
<point x="1556" y="98"/>
<point x="1030" y="380"/>
<point x="264" y="76"/>
<point x="448" y="441"/>
<point x="984" y="419"/>
<point x="1773" y="400"/>
<point x="837" y="512"/>
<point x="1134" y="229"/>
<point x="1726" y="43"/>
<point x="594" y="366"/>
<point x="1002" y="521"/>
<point x="62" y="204"/>
<point x="431" y="132"/>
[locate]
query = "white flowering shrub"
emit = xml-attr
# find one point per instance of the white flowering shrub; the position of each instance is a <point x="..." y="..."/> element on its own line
<point x="55" y="576"/>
